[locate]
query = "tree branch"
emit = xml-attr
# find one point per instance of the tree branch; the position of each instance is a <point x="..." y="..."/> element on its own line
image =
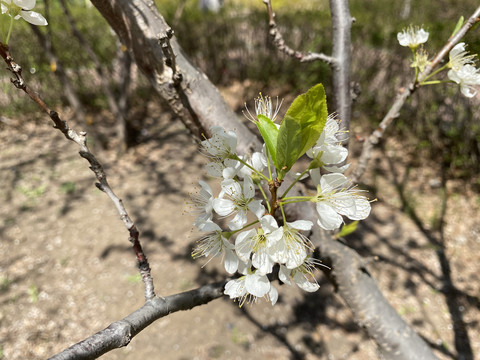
<point x="405" y="93"/>
<point x="120" y="333"/>
<point x="80" y="139"/>
<point x="339" y="61"/>
<point x="279" y="42"/>
<point x="138" y="26"/>
<point x="341" y="33"/>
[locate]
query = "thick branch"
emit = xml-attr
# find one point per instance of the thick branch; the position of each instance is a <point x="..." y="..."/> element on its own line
<point x="139" y="26"/>
<point x="405" y="93"/>
<point x="120" y="333"/>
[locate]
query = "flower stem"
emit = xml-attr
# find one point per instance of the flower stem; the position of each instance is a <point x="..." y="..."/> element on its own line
<point x="293" y="183"/>
<point x="9" y="30"/>
<point x="251" y="167"/>
<point x="265" y="197"/>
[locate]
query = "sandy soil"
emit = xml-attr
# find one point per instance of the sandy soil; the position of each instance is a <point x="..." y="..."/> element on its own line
<point x="67" y="270"/>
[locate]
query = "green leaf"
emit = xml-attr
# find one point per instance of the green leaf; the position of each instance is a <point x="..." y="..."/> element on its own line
<point x="301" y="128"/>
<point x="269" y="132"/>
<point x="347" y="229"/>
<point x="288" y="145"/>
<point x="458" y="26"/>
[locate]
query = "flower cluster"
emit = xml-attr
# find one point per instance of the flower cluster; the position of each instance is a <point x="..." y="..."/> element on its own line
<point x="257" y="238"/>
<point x="462" y="65"/>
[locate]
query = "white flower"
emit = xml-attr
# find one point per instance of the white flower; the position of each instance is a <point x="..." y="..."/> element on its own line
<point x="215" y="244"/>
<point x="291" y="248"/>
<point x="412" y="37"/>
<point x="238" y="200"/>
<point x="250" y="287"/>
<point x="258" y="242"/>
<point x="459" y="57"/>
<point x="221" y="145"/>
<point x="202" y="203"/>
<point x="466" y="77"/>
<point x="21" y="9"/>
<point x="263" y="106"/>
<point x="335" y="197"/>
<point x="328" y="152"/>
<point x="463" y="70"/>
<point x="301" y="275"/>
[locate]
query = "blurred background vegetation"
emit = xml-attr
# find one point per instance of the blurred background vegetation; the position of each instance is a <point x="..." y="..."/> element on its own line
<point x="233" y="47"/>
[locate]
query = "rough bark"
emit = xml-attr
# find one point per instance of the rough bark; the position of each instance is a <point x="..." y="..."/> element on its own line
<point x="139" y="26"/>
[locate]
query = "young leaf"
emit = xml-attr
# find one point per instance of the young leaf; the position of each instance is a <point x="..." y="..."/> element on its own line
<point x="289" y="143"/>
<point x="347" y="229"/>
<point x="269" y="132"/>
<point x="458" y="26"/>
<point x="301" y="127"/>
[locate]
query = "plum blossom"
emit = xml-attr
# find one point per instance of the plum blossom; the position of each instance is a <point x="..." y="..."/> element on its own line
<point x="250" y="287"/>
<point x="291" y="248"/>
<point x="215" y="244"/>
<point x="221" y="145"/>
<point x="412" y="37"/>
<point x="22" y="9"/>
<point x="237" y="199"/>
<point x="335" y="197"/>
<point x="466" y="77"/>
<point x="328" y="152"/>
<point x="459" y="57"/>
<point x="263" y="106"/>
<point x="301" y="275"/>
<point x="258" y="242"/>
<point x="463" y="70"/>
<point x="202" y="203"/>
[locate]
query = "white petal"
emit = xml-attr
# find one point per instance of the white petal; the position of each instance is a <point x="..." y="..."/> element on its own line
<point x="328" y="218"/>
<point x="284" y="275"/>
<point x="257" y="208"/>
<point x="295" y="257"/>
<point x="231" y="261"/>
<point x="304" y="225"/>
<point x="334" y="154"/>
<point x="25" y="4"/>
<point x="262" y="262"/>
<point x="223" y="207"/>
<point x="302" y="282"/>
<point x="235" y="288"/>
<point x="238" y="221"/>
<point x="362" y="209"/>
<point x="259" y="162"/>
<point x="268" y="223"/>
<point x="214" y="169"/>
<point x="330" y="182"/>
<point x="273" y="294"/>
<point x="248" y="187"/>
<point x="34" y="18"/>
<point x="257" y="285"/>
<point x="244" y="244"/>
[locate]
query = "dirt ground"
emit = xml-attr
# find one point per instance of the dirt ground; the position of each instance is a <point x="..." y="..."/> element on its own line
<point x="67" y="270"/>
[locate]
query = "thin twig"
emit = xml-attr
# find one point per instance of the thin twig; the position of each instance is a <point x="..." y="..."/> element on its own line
<point x="80" y="139"/>
<point x="404" y="93"/>
<point x="279" y="42"/>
